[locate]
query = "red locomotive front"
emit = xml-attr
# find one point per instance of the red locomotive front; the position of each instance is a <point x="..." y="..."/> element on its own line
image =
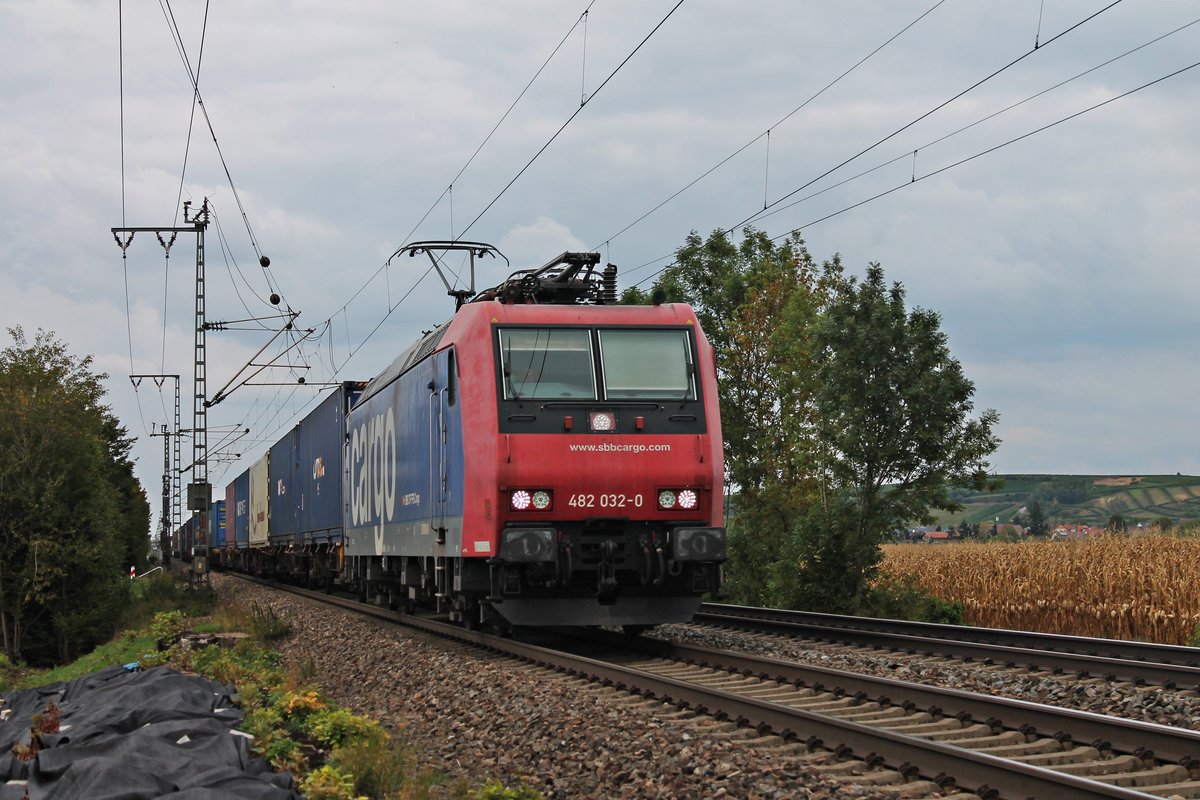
<point x="599" y="500"/>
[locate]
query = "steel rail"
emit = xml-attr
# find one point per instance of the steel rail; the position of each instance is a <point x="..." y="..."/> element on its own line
<point x="1143" y="739"/>
<point x="1037" y="640"/>
<point x="1081" y="656"/>
<point x="987" y="775"/>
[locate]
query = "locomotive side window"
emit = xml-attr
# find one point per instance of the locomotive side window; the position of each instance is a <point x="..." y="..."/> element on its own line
<point x="547" y="363"/>
<point x="647" y="364"/>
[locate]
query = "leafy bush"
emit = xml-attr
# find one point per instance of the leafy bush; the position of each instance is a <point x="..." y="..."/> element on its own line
<point x="329" y="783"/>
<point x="337" y="726"/>
<point x="167" y="628"/>
<point x="893" y="597"/>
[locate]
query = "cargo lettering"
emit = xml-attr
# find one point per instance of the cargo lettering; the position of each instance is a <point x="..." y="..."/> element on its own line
<point x="373" y="472"/>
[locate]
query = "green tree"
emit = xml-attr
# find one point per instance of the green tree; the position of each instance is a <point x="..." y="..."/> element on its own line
<point x="1037" y="519"/>
<point x="1117" y="524"/>
<point x="844" y="416"/>
<point x="892" y="432"/>
<point x="72" y="515"/>
<point x="757" y="302"/>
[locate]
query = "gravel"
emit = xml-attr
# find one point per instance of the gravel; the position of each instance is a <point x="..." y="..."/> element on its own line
<point x="475" y="716"/>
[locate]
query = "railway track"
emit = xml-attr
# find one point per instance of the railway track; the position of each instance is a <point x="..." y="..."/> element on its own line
<point x="1140" y="663"/>
<point x="883" y="732"/>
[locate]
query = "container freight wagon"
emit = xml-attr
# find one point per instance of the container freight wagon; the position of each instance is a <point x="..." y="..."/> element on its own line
<point x="237" y="521"/>
<point x="216" y="532"/>
<point x="260" y="497"/>
<point x="184" y="540"/>
<point x="305" y="474"/>
<point x="282" y="494"/>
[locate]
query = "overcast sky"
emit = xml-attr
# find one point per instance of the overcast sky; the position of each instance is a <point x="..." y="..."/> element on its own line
<point x="1063" y="265"/>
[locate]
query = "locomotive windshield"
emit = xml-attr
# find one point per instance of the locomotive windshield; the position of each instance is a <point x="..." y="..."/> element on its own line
<point x="641" y="364"/>
<point x="547" y="363"/>
<point x="560" y="363"/>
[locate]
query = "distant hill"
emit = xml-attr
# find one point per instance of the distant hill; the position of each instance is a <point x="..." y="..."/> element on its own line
<point x="1083" y="499"/>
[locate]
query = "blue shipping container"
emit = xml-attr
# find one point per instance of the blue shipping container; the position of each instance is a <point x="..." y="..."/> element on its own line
<point x="320" y="440"/>
<point x="282" y="491"/>
<point x="216" y="524"/>
<point x="241" y="510"/>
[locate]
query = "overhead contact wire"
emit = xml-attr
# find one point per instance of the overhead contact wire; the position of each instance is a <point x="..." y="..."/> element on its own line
<point x="779" y="122"/>
<point x="582" y="105"/>
<point x="503" y="117"/>
<point x="928" y="113"/>
<point x="968" y="159"/>
<point x="1001" y="145"/>
<point x="760" y="213"/>
<point x="981" y="120"/>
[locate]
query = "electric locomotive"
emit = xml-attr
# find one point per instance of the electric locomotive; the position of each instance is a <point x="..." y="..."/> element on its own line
<point x="545" y="457"/>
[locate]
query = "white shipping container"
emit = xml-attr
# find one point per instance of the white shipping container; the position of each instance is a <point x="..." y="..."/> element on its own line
<point x="259" y="501"/>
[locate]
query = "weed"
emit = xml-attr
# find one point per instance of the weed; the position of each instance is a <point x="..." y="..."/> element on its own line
<point x="495" y="790"/>
<point x="232" y="616"/>
<point x="382" y="767"/>
<point x="267" y="625"/>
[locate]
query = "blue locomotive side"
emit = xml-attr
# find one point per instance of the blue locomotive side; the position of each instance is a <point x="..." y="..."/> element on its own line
<point x="404" y="478"/>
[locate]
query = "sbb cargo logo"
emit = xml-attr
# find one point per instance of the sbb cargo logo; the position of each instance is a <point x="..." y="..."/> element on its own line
<point x="373" y="472"/>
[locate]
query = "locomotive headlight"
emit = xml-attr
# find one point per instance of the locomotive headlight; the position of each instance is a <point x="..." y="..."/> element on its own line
<point x="526" y="545"/>
<point x="686" y="499"/>
<point x="698" y="544"/>
<point x="602" y="421"/>
<point x="666" y="499"/>
<point x="531" y="499"/>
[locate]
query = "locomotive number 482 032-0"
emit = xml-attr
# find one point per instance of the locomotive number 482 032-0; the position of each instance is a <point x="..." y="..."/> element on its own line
<point x="605" y="501"/>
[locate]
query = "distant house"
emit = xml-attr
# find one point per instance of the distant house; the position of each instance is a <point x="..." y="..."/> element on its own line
<point x="934" y="537"/>
<point x="1062" y="533"/>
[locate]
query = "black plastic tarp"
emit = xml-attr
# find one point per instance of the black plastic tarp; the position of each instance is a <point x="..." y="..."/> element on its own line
<point x="132" y="735"/>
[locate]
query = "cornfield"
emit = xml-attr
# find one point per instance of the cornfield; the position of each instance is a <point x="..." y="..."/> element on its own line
<point x="1145" y="588"/>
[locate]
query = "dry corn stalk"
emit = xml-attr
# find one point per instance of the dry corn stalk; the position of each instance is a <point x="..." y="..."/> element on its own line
<point x="1145" y="588"/>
